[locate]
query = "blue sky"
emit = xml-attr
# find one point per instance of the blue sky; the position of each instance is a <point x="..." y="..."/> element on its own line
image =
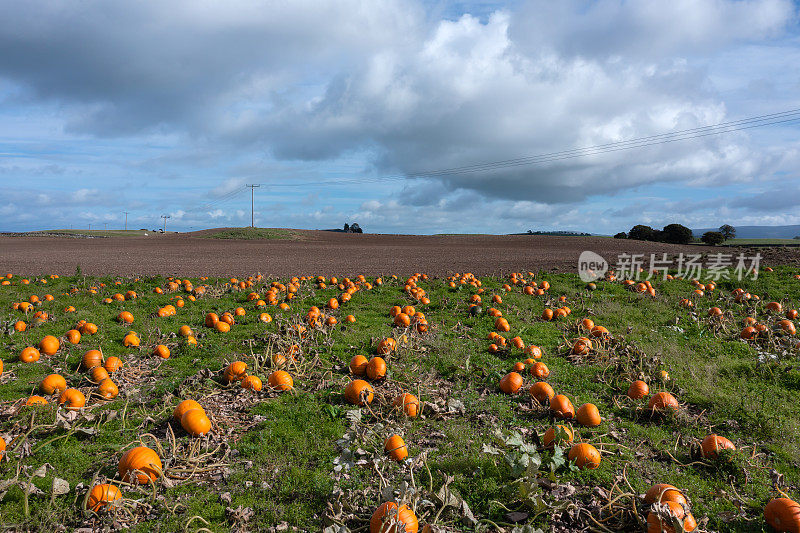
<point x="172" y="107"/>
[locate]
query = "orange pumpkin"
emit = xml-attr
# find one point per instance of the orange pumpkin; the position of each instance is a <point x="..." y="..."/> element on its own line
<point x="557" y="435"/>
<point x="389" y="518"/>
<point x="783" y="514"/>
<point x="140" y="465"/>
<point x="280" y="380"/>
<point x="585" y="455"/>
<point x="35" y="400"/>
<point x="131" y="340"/>
<point x="211" y="319"/>
<point x="53" y="384"/>
<point x="235" y="371"/>
<point x="395" y="446"/>
<point x="511" y="383"/>
<point x="49" y="345"/>
<point x="533" y="351"/>
<point x="252" y="383"/>
<point x="102" y="495"/>
<point x="72" y="399"/>
<point x="113" y="364"/>
<point x="663" y="492"/>
<point x="663" y="401"/>
<point x="408" y="403"/>
<point x="88" y="328"/>
<point x="195" y="422"/>
<point x="376" y="368"/>
<point x="359" y="392"/>
<point x="91" y="359"/>
<point x="638" y="390"/>
<point x="748" y="333"/>
<point x="542" y="392"/>
<point x="562" y="407"/>
<point x="588" y="415"/>
<point x="786" y="326"/>
<point x="29" y="355"/>
<point x="539" y="370"/>
<point x="661" y="521"/>
<point x="582" y="346"/>
<point x="98" y="374"/>
<point x="775" y="307"/>
<point x="73" y="336"/>
<point x="161" y="351"/>
<point x="387" y="346"/>
<point x="108" y="389"/>
<point x="712" y="444"/>
<point x="184" y="406"/>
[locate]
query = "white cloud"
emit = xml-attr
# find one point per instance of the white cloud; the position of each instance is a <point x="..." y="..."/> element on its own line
<point x="288" y="90"/>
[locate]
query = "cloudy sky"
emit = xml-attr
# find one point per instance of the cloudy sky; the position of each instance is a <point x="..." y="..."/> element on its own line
<point x="344" y="110"/>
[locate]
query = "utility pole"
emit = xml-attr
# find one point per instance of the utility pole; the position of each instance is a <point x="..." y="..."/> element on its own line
<point x="105" y="226"/>
<point x="126" y="220"/>
<point x="252" y="203"/>
<point x="165" y="217"/>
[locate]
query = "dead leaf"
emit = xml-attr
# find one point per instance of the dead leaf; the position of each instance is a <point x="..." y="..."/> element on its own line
<point x="60" y="486"/>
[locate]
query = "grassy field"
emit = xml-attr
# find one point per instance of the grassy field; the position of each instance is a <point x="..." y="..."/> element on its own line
<point x="744" y="242"/>
<point x="309" y="459"/>
<point x="252" y="234"/>
<point x="95" y="232"/>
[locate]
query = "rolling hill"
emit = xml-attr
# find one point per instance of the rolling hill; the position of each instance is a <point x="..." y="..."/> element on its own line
<point x="758" y="232"/>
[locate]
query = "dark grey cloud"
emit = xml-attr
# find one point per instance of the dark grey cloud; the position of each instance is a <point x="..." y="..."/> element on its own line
<point x="648" y="29"/>
<point x="141" y="66"/>
<point x="776" y="198"/>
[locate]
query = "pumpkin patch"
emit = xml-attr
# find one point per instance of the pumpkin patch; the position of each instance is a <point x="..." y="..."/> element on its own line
<point x="401" y="403"/>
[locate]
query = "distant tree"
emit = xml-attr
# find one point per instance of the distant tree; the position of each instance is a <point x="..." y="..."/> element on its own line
<point x="346" y="227"/>
<point x="796" y="237"/>
<point x="728" y="231"/>
<point x="676" y="234"/>
<point x="355" y="228"/>
<point x="621" y="235"/>
<point x="530" y="232"/>
<point x="713" y="238"/>
<point x="641" y="233"/>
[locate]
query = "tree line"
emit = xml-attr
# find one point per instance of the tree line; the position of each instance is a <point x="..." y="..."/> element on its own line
<point x="677" y="234"/>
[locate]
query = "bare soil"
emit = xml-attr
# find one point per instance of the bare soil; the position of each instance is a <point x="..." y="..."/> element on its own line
<point x="328" y="253"/>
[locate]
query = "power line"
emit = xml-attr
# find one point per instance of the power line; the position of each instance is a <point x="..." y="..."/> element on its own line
<point x="731" y="126"/>
<point x="640" y="142"/>
<point x="218" y="201"/>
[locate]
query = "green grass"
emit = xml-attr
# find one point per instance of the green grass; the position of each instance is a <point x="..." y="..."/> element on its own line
<point x="95" y="232"/>
<point x="744" y="242"/>
<point x="273" y="454"/>
<point x="252" y="234"/>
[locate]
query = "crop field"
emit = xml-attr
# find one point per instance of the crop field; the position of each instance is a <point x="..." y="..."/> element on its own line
<point x="525" y="402"/>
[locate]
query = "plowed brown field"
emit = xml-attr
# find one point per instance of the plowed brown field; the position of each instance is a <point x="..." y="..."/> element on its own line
<point x="323" y="252"/>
